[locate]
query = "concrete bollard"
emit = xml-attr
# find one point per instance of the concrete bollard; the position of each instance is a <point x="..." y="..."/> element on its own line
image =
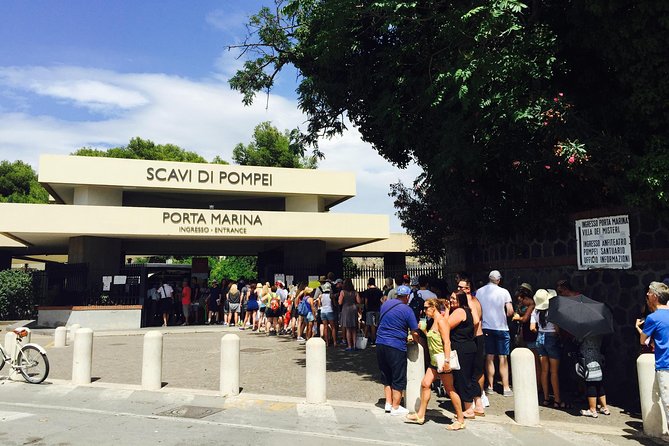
<point x="525" y="397"/>
<point x="72" y="330"/>
<point x="316" y="371"/>
<point x="12" y="350"/>
<point x="82" y="356"/>
<point x="654" y="418"/>
<point x="415" y="374"/>
<point x="60" y="337"/>
<point x="152" y="361"/>
<point x="10" y="345"/>
<point x="229" y="383"/>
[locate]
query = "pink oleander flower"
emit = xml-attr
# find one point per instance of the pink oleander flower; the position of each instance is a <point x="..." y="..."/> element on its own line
<point x="571" y="159"/>
<point x="547" y="167"/>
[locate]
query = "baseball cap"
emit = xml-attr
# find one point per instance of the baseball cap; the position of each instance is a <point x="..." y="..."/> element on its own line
<point x="403" y="290"/>
<point x="326" y="287"/>
<point x="339" y="281"/>
<point x="495" y="275"/>
<point x="278" y="282"/>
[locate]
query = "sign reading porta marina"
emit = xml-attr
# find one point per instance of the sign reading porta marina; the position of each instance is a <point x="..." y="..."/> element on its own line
<point x="211" y="222"/>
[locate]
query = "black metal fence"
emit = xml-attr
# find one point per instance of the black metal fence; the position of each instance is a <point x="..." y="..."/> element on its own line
<point x="361" y="274"/>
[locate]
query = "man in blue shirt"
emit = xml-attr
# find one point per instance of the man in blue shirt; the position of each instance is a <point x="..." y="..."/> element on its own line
<point x="395" y="321"/>
<point x="656" y="327"/>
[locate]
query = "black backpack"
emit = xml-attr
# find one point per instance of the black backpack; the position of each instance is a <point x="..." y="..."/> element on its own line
<point x="416" y="304"/>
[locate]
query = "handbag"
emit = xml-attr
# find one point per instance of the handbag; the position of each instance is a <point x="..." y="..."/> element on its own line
<point x="453" y="361"/>
<point x="361" y="343"/>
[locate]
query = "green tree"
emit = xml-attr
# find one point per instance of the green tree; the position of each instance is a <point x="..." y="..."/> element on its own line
<point x="270" y="147"/>
<point x="145" y="149"/>
<point x="16" y="294"/>
<point x="18" y="184"/>
<point x="233" y="267"/>
<point x="518" y="113"/>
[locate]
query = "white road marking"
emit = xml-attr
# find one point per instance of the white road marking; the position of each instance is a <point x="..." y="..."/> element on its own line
<point x="11" y="416"/>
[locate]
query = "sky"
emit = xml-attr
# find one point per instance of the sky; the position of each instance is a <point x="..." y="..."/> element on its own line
<point x="96" y="73"/>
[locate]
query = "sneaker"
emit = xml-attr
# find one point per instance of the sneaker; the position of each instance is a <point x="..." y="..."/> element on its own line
<point x="224" y="324"/>
<point x="484" y="400"/>
<point x="399" y="411"/>
<point x="301" y="339"/>
<point x="388" y="407"/>
<point x="489" y="391"/>
<point x="508" y="392"/>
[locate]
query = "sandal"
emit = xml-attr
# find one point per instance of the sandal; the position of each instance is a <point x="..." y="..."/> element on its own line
<point x="469" y="417"/>
<point x="547" y="403"/>
<point x="412" y="418"/>
<point x="479" y="414"/>
<point x="455" y="426"/>
<point x="561" y="405"/>
<point x="604" y="411"/>
<point x="589" y="413"/>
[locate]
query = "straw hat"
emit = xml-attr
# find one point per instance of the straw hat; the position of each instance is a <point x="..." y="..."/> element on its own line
<point x="541" y="298"/>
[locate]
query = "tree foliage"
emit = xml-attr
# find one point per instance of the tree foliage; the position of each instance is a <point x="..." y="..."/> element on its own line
<point x="518" y="113"/>
<point x="18" y="184"/>
<point x="16" y="295"/>
<point x="233" y="267"/>
<point x="145" y="149"/>
<point x="272" y="148"/>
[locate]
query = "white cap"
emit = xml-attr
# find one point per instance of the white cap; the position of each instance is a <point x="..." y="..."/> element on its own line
<point x="495" y="275"/>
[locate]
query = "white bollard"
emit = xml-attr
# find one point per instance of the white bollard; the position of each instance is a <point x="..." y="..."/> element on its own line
<point x="152" y="361"/>
<point x="72" y="330"/>
<point x="229" y="384"/>
<point x="60" y="337"/>
<point x="654" y="418"/>
<point x="12" y="350"/>
<point x="415" y="374"/>
<point x="10" y="345"/>
<point x="525" y="397"/>
<point x="82" y="356"/>
<point x="316" y="371"/>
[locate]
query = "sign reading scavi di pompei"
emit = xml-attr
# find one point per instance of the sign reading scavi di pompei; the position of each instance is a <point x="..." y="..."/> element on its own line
<point x="207" y="176"/>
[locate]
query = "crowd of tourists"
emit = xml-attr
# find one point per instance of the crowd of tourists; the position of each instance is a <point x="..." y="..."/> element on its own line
<point x="467" y="333"/>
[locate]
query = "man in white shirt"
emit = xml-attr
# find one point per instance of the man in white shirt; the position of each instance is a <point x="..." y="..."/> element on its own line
<point x="165" y="292"/>
<point x="496" y="307"/>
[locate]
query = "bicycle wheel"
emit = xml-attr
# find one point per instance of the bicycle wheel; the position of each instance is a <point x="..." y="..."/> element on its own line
<point x="33" y="364"/>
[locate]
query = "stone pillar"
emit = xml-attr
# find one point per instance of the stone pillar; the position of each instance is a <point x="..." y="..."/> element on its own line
<point x="102" y="255"/>
<point x="335" y="263"/>
<point x="304" y="257"/>
<point x="394" y="264"/>
<point x="525" y="398"/>
<point x="5" y="260"/>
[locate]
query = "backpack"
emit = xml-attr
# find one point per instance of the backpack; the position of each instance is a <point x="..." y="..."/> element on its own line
<point x="416" y="304"/>
<point x="303" y="308"/>
<point x="274" y="302"/>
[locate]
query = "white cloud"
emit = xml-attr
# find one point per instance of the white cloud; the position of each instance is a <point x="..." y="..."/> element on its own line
<point x="204" y="116"/>
<point x="225" y="20"/>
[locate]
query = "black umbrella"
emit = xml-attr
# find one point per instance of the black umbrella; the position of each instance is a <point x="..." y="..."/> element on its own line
<point x="580" y="316"/>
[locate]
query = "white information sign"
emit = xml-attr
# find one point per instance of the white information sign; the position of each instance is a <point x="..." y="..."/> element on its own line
<point x="604" y="242"/>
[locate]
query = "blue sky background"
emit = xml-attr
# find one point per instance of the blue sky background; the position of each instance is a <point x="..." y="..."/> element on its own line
<point x="96" y="73"/>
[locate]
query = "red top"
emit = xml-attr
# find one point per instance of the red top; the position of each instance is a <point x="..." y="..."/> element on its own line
<point x="185" y="295"/>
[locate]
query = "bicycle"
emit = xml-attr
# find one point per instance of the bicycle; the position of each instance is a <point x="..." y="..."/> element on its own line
<point x="31" y="361"/>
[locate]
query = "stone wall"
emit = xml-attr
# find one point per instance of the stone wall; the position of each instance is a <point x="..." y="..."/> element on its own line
<point x="541" y="262"/>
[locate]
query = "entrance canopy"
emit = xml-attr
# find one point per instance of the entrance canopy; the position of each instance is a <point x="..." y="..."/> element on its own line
<point x="161" y="207"/>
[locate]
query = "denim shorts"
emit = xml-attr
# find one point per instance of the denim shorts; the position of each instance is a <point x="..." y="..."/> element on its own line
<point x="327" y="316"/>
<point x="548" y="344"/>
<point x="310" y="317"/>
<point x="497" y="342"/>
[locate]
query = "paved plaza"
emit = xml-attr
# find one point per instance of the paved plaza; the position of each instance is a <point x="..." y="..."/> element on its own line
<point x="270" y="409"/>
